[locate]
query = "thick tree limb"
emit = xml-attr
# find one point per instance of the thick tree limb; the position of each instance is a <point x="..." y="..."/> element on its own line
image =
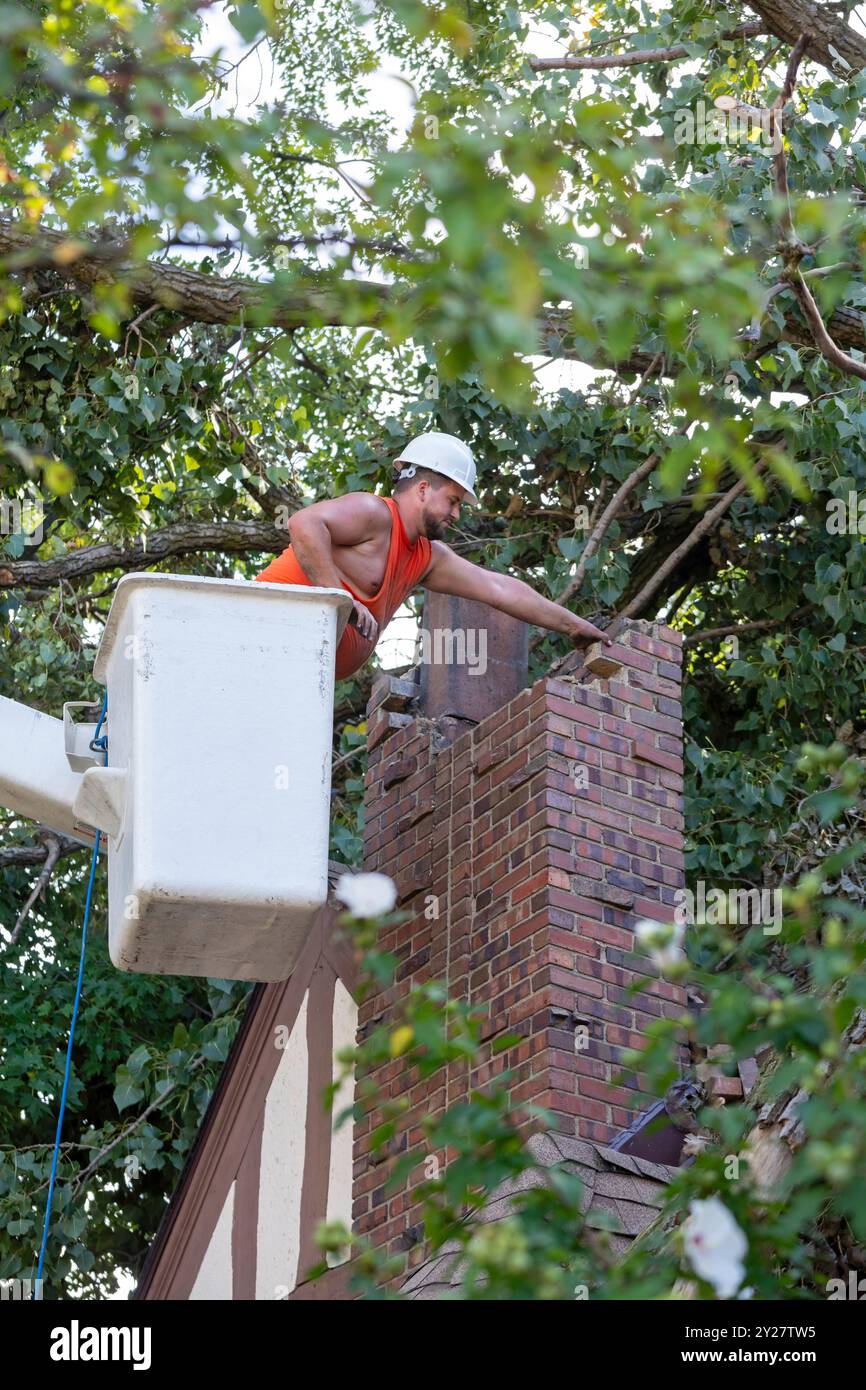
<point x="788" y="19"/>
<point x="183" y="538"/>
<point x="199" y="297"/>
<point x="636" y="57"/>
<point x="24" y="856"/>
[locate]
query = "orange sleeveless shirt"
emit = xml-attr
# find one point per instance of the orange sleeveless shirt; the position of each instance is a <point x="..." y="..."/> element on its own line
<point x="404" y="567"/>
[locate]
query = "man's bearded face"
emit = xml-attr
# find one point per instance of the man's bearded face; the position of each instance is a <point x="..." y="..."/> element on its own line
<point x="440" y="510"/>
<point x="434" y="526"/>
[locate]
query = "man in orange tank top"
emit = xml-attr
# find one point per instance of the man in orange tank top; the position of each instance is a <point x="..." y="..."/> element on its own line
<point x="381" y="548"/>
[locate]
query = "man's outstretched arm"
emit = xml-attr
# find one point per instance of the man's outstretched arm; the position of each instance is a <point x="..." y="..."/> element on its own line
<point x="450" y="574"/>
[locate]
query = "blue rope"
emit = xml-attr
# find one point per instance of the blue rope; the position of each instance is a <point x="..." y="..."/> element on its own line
<point x="98" y="744"/>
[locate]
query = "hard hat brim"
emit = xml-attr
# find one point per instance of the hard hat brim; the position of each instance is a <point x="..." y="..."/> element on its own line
<point x="469" y="495"/>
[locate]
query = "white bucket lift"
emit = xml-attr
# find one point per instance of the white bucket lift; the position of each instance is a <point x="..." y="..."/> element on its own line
<point x="216" y="796"/>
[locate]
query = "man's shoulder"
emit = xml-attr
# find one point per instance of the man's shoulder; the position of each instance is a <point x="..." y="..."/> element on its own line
<point x="366" y="506"/>
<point x="373" y="501"/>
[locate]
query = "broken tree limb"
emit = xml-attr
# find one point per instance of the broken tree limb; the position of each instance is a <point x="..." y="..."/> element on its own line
<point x="53" y="851"/>
<point x="817" y="327"/>
<point x="199" y="298"/>
<point x="706" y="524"/>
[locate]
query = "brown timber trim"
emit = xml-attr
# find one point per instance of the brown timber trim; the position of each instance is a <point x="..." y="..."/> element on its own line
<point x="317" y="1150"/>
<point x="245" y="1217"/>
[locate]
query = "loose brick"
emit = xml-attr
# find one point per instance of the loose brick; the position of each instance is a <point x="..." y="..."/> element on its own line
<point x="648" y="753"/>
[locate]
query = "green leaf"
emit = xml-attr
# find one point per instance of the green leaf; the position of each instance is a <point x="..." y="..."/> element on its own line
<point x="827" y="805"/>
<point x="126" y="1092"/>
<point x="833" y="605"/>
<point x="570" y="547"/>
<point x="248" y="19"/>
<point x="822" y="114"/>
<point x="138" y="1060"/>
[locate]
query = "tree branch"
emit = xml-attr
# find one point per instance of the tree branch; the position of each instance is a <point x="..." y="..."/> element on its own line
<point x="822" y="338"/>
<point x="795" y="248"/>
<point x="273" y="499"/>
<point x="199" y="297"/>
<point x="24" y="856"/>
<point x="759" y="625"/>
<point x="780" y="163"/>
<point x="635" y="57"/>
<point x="183" y="538"/>
<point x="613" y="507"/>
<point x="124" y="1133"/>
<point x="706" y="524"/>
<point x="788" y="19"/>
<point x="53" y="849"/>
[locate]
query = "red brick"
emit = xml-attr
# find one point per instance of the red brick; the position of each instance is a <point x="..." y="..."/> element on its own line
<point x="647" y="752"/>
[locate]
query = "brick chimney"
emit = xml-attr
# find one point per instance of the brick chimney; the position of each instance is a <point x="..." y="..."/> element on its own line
<point x="527" y="830"/>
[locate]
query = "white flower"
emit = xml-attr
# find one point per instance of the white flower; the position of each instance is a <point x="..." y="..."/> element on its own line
<point x="366" y="895"/>
<point x="695" y="1143"/>
<point x="714" y="1245"/>
<point x="662" y="940"/>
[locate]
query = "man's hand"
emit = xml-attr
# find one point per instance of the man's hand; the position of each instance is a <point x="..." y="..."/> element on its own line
<point x="361" y="618"/>
<point x="583" y="632"/>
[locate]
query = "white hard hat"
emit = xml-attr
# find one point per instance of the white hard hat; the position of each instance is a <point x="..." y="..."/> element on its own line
<point x="441" y="453"/>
